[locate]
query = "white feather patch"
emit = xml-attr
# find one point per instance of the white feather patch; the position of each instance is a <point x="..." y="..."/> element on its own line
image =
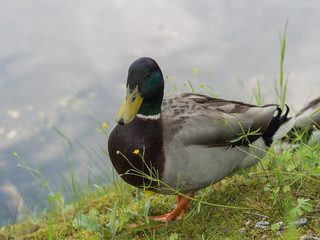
<point x="284" y="129"/>
<point x="152" y="117"/>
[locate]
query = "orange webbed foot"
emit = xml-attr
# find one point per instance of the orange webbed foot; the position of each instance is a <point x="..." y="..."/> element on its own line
<point x="178" y="212"/>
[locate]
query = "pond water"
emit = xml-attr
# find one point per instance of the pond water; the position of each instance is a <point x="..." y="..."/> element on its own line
<point x="57" y="51"/>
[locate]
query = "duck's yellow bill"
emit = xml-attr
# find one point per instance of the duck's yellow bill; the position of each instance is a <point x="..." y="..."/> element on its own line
<point x="129" y="107"/>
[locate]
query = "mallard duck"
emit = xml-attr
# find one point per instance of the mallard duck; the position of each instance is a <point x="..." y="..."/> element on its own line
<point x="186" y="141"/>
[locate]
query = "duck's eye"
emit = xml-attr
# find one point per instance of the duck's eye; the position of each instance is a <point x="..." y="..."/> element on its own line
<point x="148" y="75"/>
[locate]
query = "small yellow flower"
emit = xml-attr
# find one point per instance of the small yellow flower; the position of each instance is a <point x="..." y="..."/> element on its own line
<point x="136" y="151"/>
<point x="195" y="70"/>
<point x="172" y="78"/>
<point x="201" y="85"/>
<point x="184" y="84"/>
<point x="74" y="100"/>
<point x="105" y="125"/>
<point x="118" y="152"/>
<point x="167" y="76"/>
<point x="148" y="193"/>
<point x="15" y="154"/>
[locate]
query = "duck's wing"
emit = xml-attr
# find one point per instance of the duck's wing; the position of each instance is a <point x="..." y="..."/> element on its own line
<point x="203" y="120"/>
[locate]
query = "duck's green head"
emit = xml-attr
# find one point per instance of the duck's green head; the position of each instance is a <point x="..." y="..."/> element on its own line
<point x="144" y="91"/>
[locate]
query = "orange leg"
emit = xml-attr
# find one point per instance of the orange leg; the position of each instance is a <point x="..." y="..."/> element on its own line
<point x="178" y="212"/>
<point x="183" y="211"/>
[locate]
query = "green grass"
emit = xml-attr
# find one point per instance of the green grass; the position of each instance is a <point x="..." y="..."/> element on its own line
<point x="284" y="187"/>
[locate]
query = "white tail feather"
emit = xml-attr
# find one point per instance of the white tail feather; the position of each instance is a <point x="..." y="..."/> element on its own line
<point x="284" y="129"/>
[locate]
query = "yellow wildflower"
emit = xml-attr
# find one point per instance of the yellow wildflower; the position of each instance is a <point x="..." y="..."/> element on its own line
<point x="195" y="70"/>
<point x="201" y="85"/>
<point x="74" y="100"/>
<point x="148" y="193"/>
<point x="136" y="151"/>
<point x="172" y="78"/>
<point x="184" y="84"/>
<point x="117" y="151"/>
<point x="15" y="154"/>
<point x="167" y="76"/>
<point x="105" y="125"/>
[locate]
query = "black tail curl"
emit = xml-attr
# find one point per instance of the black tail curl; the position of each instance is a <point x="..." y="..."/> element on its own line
<point x="274" y="125"/>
